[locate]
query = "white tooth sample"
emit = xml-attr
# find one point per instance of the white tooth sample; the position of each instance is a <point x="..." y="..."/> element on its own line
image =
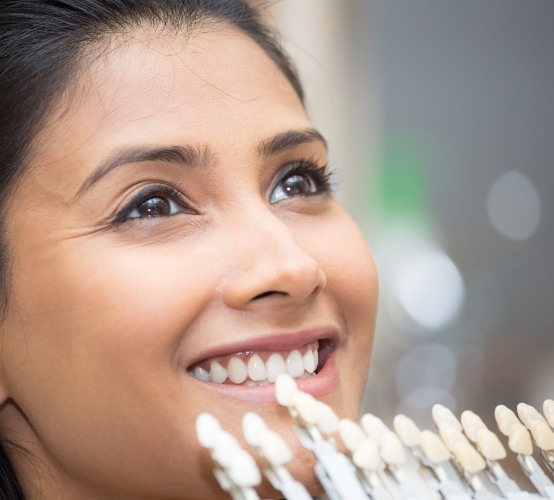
<point x="207" y="430"/>
<point x="201" y="374"/>
<point x="469" y="458"/>
<point x="285" y="389"/>
<point x="519" y="440"/>
<point x="433" y="447"/>
<point x="225" y="448"/>
<point x="243" y="471"/>
<point x="543" y="435"/>
<point x="274" y="366"/>
<point x="256" y="368"/>
<point x="351" y="434"/>
<point x="442" y="415"/>
<point x="489" y="445"/>
<point x="366" y="456"/>
<point x="451" y="436"/>
<point x="392" y="451"/>
<point x="236" y="370"/>
<point x="218" y="374"/>
<point x="295" y="364"/>
<point x="253" y="428"/>
<point x="472" y="424"/>
<point x="548" y="408"/>
<point x="505" y="419"/>
<point x="309" y="361"/>
<point x="307" y="407"/>
<point x="274" y="448"/>
<point x="374" y="427"/>
<point x="328" y="422"/>
<point x="407" y="430"/>
<point x="528" y="414"/>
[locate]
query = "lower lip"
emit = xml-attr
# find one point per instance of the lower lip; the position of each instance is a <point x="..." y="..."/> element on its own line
<point x="320" y="385"/>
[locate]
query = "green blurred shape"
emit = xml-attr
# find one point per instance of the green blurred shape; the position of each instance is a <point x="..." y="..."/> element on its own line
<point x="402" y="186"/>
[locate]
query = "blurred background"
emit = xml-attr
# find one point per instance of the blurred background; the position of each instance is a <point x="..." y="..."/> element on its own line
<point x="440" y="116"/>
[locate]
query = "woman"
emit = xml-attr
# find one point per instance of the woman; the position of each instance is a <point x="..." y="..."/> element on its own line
<point x="170" y="240"/>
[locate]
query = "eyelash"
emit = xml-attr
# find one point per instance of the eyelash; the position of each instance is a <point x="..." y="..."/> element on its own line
<point x="320" y="178"/>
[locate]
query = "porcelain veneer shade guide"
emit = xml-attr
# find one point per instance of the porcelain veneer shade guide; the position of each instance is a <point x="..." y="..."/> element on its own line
<point x="374" y="449"/>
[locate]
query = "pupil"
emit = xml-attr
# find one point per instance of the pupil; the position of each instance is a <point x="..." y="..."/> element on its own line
<point x="154" y="207"/>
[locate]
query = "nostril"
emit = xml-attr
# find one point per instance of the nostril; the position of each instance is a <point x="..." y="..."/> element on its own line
<point x="268" y="293"/>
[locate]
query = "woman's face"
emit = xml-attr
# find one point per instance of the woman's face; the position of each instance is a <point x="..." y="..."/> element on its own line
<point x="175" y="216"/>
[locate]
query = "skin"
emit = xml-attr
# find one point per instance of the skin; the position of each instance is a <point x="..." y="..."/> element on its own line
<point x="104" y="318"/>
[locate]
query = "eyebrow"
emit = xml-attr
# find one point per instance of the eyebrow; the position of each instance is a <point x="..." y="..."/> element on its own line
<point x="191" y="156"/>
<point x="286" y="140"/>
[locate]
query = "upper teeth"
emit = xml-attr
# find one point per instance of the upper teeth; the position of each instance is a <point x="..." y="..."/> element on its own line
<point x="251" y="369"/>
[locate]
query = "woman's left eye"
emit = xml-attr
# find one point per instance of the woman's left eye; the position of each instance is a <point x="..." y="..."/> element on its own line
<point x="301" y="179"/>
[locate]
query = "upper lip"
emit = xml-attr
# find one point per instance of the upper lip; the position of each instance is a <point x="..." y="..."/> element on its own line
<point x="285" y="341"/>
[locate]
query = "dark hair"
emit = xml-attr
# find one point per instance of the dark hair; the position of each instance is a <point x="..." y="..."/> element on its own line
<point x="43" y="43"/>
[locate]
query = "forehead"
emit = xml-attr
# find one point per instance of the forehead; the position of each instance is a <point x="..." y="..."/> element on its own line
<point x="149" y="87"/>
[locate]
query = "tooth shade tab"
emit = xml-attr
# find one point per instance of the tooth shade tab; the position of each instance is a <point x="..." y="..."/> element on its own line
<point x="328" y="422"/>
<point x="243" y="470"/>
<point x="443" y="416"/>
<point x="407" y="430"/>
<point x="225" y="448"/>
<point x="543" y="435"/>
<point x="434" y="448"/>
<point x="307" y="407"/>
<point x="451" y="436"/>
<point x="207" y="429"/>
<point x="392" y="450"/>
<point x="253" y="428"/>
<point x="548" y="408"/>
<point x="469" y="458"/>
<point x="505" y="419"/>
<point x="519" y="440"/>
<point x="285" y="389"/>
<point x="366" y="456"/>
<point x="274" y="448"/>
<point x="374" y="427"/>
<point x="472" y="424"/>
<point x="528" y="414"/>
<point x="489" y="445"/>
<point x="351" y="434"/>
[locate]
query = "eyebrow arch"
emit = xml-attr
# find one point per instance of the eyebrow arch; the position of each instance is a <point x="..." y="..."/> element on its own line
<point x="197" y="155"/>
<point x="286" y="140"/>
<point x="183" y="155"/>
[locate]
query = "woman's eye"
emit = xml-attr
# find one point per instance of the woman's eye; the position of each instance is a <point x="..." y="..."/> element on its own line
<point x="151" y="203"/>
<point x="301" y="180"/>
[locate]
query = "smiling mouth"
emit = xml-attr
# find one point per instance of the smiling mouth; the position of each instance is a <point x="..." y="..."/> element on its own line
<point x="257" y="368"/>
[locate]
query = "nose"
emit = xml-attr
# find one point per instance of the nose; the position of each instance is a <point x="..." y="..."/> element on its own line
<point x="269" y="263"/>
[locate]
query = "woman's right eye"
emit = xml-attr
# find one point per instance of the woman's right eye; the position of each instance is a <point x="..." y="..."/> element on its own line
<point x="152" y="203"/>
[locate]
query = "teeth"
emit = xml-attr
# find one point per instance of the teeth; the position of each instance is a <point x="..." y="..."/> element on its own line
<point x="218" y="374"/>
<point x="256" y="369"/>
<point x="295" y="364"/>
<point x="310" y="364"/>
<point x="251" y="370"/>
<point x="201" y="374"/>
<point x="236" y="370"/>
<point x="275" y="366"/>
